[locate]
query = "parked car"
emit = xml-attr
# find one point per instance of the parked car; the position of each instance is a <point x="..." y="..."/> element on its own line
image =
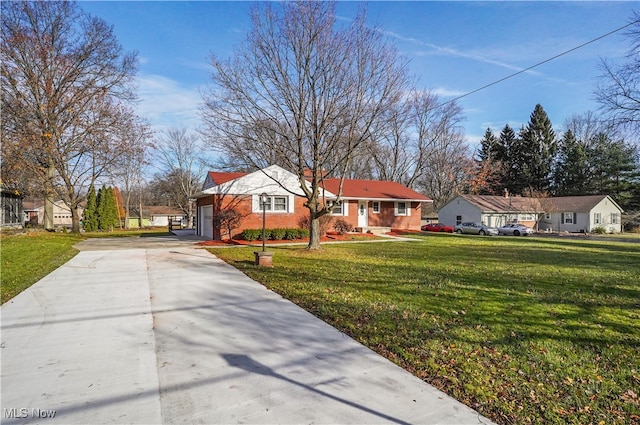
<point x="475" y="229"/>
<point x="515" y="229"/>
<point x="437" y="227"/>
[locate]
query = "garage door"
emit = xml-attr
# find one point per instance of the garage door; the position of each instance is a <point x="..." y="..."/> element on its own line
<point x="206" y="221"/>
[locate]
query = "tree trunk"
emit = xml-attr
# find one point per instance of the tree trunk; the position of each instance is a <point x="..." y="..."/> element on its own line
<point x="75" y="220"/>
<point x="314" y="233"/>
<point x="48" y="201"/>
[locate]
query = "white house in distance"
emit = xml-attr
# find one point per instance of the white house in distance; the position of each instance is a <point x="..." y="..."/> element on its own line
<point x="556" y="214"/>
<point x="493" y="211"/>
<point x="582" y="214"/>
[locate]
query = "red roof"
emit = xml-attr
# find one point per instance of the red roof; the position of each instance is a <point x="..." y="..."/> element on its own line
<point x="351" y="189"/>
<point x="220" y="178"/>
<point x="373" y="189"/>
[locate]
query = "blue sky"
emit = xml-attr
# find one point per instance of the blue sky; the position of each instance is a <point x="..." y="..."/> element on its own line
<point x="453" y="47"/>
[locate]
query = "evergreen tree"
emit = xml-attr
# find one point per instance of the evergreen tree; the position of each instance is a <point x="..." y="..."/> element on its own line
<point x="506" y="152"/>
<point x="538" y="150"/>
<point x="488" y="146"/>
<point x="489" y="176"/>
<point x="107" y="210"/>
<point x="614" y="168"/>
<point x="571" y="175"/>
<point x="90" y="214"/>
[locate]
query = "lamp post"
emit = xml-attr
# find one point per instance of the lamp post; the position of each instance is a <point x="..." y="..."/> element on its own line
<point x="263" y="258"/>
<point x="263" y="201"/>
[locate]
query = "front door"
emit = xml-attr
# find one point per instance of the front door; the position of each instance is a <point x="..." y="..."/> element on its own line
<point x="363" y="214"/>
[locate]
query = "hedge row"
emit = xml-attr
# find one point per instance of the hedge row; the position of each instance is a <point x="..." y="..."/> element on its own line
<point x="277" y="234"/>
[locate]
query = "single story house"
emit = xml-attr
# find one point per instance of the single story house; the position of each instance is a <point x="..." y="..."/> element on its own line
<point x="34" y="213"/>
<point x="155" y="216"/>
<point x="582" y="214"/>
<point x="554" y="214"/>
<point x="493" y="211"/>
<point x="365" y="204"/>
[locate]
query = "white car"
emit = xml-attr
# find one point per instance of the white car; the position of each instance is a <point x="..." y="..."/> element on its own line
<point x="515" y="229"/>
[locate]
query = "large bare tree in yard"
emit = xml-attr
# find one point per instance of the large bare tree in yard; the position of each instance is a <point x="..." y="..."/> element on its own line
<point x="65" y="83"/>
<point x="619" y="90"/>
<point x="418" y="132"/>
<point x="180" y="156"/>
<point x="304" y="91"/>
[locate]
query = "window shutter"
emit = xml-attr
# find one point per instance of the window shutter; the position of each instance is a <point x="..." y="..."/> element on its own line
<point x="408" y="204"/>
<point x="562" y="215"/>
<point x="345" y="208"/>
<point x="575" y="218"/>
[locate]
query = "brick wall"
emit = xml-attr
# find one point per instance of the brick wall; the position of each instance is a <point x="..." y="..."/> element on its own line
<point x="253" y="220"/>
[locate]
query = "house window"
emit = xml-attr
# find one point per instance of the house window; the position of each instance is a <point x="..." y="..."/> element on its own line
<point x="458" y="219"/>
<point x="279" y="203"/>
<point x="375" y="207"/>
<point x="567" y="218"/>
<point x="526" y="217"/>
<point x="615" y="218"/>
<point x="274" y="203"/>
<point x="597" y="218"/>
<point x="336" y="208"/>
<point x="402" y="208"/>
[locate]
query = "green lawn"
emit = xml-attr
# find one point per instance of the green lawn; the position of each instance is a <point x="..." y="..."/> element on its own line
<point x="29" y="256"/>
<point x="525" y="330"/>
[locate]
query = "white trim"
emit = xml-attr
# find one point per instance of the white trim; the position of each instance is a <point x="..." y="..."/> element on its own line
<point x="373" y="209"/>
<point x="255" y="204"/>
<point x="407" y="209"/>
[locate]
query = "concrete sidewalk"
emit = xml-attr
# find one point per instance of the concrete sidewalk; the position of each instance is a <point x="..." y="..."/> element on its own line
<point x="175" y="335"/>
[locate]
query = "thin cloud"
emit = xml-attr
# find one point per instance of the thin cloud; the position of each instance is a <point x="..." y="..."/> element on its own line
<point x="167" y="103"/>
<point x="447" y="51"/>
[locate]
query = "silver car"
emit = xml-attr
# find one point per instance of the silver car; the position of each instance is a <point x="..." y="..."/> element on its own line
<point x="515" y="229"/>
<point x="475" y="229"/>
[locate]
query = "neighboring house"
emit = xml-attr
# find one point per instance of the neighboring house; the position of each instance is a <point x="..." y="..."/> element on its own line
<point x="493" y="211"/>
<point x="11" y="208"/>
<point x="34" y="213"/>
<point x="365" y="204"/>
<point x="155" y="216"/>
<point x="582" y="214"/>
<point x="557" y="214"/>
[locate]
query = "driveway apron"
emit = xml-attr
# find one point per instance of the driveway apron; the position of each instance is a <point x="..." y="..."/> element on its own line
<point x="174" y="335"/>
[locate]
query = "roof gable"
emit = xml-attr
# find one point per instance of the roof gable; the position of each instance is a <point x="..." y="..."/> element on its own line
<point x="273" y="180"/>
<point x="215" y="178"/>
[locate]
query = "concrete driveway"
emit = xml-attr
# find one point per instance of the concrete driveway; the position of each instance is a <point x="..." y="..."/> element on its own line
<point x="159" y="332"/>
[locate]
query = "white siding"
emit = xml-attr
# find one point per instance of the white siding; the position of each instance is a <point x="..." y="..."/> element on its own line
<point x="459" y="207"/>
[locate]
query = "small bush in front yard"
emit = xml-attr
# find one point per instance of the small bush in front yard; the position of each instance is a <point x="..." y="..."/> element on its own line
<point x="278" y="234"/>
<point x="251" y="234"/>
<point x="291" y="234"/>
<point x="599" y="230"/>
<point x="341" y="226"/>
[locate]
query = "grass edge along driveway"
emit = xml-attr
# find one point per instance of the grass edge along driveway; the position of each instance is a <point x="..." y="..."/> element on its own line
<point x="28" y="256"/>
<point x="524" y="330"/>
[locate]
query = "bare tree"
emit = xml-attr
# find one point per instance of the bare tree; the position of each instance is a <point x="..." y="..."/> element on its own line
<point x="64" y="78"/>
<point x="128" y="170"/>
<point x="446" y="169"/>
<point x="183" y="166"/>
<point x="619" y="91"/>
<point x="303" y="92"/>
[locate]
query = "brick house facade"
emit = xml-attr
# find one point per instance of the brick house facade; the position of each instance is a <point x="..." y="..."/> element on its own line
<point x="364" y="204"/>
